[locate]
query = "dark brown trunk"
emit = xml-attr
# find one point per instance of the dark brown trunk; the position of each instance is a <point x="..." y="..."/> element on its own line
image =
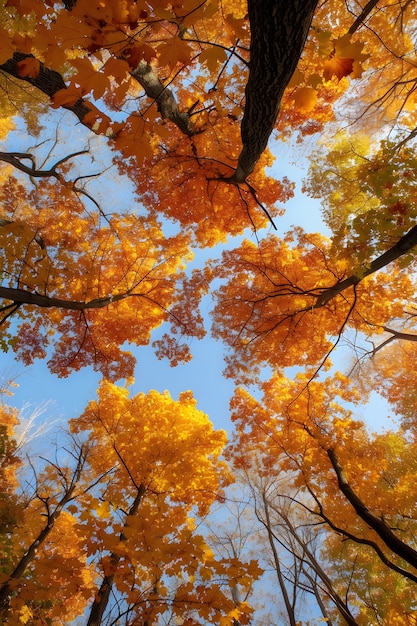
<point x="279" y="30"/>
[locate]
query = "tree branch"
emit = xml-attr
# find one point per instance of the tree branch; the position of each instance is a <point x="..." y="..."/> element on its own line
<point x="48" y="82"/>
<point x="366" y="542"/>
<point x="362" y="16"/>
<point x="21" y="296"/>
<point x="403" y="245"/>
<point x="16" y="158"/>
<point x="51" y="517"/>
<point x="164" y="98"/>
<point x="101" y="599"/>
<point x="401" y="549"/>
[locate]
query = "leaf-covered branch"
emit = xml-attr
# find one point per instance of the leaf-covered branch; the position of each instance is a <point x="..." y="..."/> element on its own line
<point x="401" y="549"/>
<point x="102" y="596"/>
<point x="21" y="296"/>
<point x="51" y="517"/>
<point x="48" y="82"/>
<point x="403" y="245"/>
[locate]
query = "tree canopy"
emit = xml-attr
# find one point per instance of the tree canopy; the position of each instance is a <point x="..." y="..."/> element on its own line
<point x="138" y="139"/>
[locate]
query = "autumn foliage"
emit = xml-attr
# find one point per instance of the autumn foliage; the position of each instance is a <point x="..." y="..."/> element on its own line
<point x="134" y="182"/>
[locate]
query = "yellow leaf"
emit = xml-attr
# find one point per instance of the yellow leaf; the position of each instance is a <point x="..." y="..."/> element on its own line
<point x="103" y="509"/>
<point x="6" y="125"/>
<point x="296" y="79"/>
<point x="25" y="614"/>
<point x="346" y="59"/>
<point x="345" y="48"/>
<point x="324" y="38"/>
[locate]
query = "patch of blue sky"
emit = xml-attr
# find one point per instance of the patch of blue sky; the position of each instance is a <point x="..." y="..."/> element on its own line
<point x="67" y="397"/>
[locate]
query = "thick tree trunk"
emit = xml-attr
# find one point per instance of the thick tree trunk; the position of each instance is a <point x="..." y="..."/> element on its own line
<point x="279" y="30"/>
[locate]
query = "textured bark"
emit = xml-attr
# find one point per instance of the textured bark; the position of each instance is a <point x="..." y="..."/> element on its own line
<point x="164" y="98"/>
<point x="47" y="81"/>
<point x="279" y="30"/>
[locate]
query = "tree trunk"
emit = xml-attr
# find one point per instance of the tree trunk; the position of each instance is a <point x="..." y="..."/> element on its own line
<point x="279" y="30"/>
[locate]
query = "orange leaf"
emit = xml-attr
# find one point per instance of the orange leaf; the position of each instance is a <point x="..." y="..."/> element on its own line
<point x="6" y="47"/>
<point x="23" y="43"/>
<point x="66" y="97"/>
<point x="28" y="68"/>
<point x="117" y="68"/>
<point x="174" y="50"/>
<point x="212" y="57"/>
<point x="96" y="120"/>
<point x="238" y="28"/>
<point x="89" y="79"/>
<point x="136" y="54"/>
<point x="133" y="139"/>
<point x="337" y="66"/>
<point x="305" y="98"/>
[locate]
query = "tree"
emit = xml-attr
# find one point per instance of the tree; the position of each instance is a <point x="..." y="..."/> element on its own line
<point x="112" y="532"/>
<point x="342" y="480"/>
<point x="148" y="143"/>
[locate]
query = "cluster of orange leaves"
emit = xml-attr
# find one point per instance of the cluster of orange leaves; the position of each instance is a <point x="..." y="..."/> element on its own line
<point x="57" y="245"/>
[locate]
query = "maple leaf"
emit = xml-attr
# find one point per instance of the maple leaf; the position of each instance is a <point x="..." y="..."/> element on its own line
<point x="135" y="54"/>
<point x="213" y="57"/>
<point x="344" y="47"/>
<point x="337" y="66"/>
<point x="7" y="48"/>
<point x="117" y="68"/>
<point x="237" y="27"/>
<point x="28" y="67"/>
<point x="346" y="59"/>
<point x="89" y="79"/>
<point x="174" y="50"/>
<point x="66" y="97"/>
<point x="97" y="120"/>
<point x="23" y="43"/>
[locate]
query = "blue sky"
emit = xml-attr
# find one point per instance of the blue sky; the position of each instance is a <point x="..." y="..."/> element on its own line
<point x="67" y="397"/>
